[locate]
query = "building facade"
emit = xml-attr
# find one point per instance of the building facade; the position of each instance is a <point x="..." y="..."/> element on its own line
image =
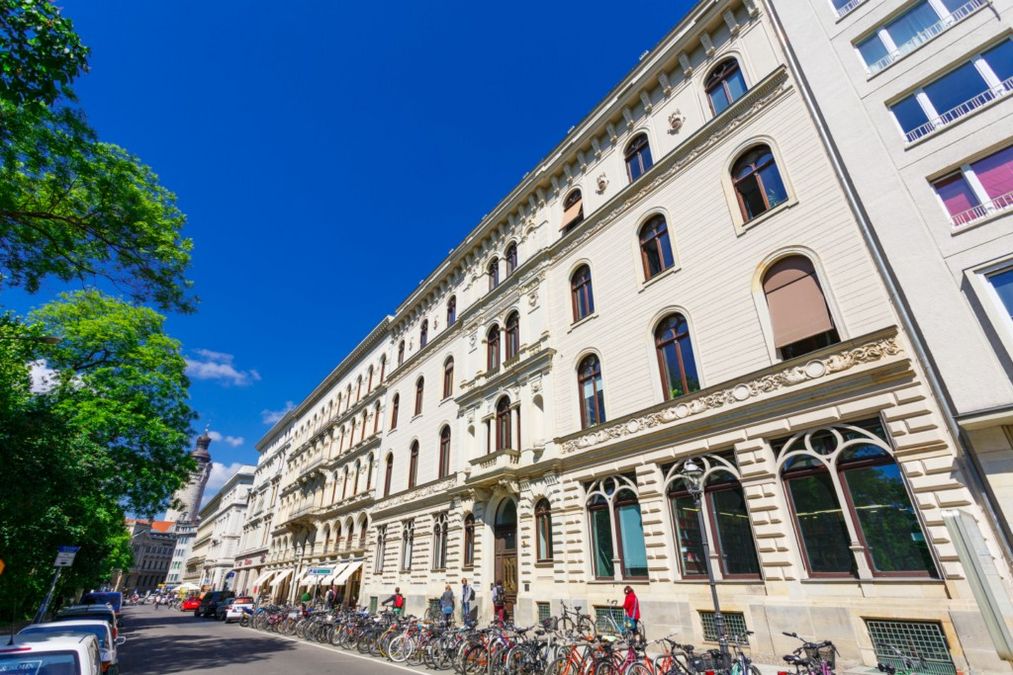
<point x="152" y="543"/>
<point x="185" y="533"/>
<point x="251" y="559"/>
<point x="217" y="538"/>
<point x="684" y="277"/>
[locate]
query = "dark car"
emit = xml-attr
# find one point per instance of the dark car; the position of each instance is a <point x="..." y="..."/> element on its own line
<point x="112" y="598"/>
<point x="209" y="604"/>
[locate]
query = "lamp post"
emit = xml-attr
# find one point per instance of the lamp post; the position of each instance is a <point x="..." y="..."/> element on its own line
<point x="693" y="473"/>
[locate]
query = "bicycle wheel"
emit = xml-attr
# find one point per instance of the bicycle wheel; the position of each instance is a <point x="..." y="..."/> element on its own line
<point x="476" y="660"/>
<point x="638" y="668"/>
<point x="397" y="650"/>
<point x="606" y="667"/>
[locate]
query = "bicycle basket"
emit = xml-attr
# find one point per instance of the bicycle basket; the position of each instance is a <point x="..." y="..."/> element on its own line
<point x="826" y="654"/>
<point x="550" y="623"/>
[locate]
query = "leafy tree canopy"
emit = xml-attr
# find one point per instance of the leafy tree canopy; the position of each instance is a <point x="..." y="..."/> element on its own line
<point x="41" y="52"/>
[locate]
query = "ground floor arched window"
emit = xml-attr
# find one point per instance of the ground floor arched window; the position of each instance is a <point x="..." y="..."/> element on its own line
<point x="616" y="529"/>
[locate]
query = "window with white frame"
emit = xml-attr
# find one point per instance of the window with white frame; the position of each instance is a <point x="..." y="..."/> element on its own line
<point x="917" y="25"/>
<point x="616" y="529"/>
<point x="978" y="189"/>
<point x="984" y="78"/>
<point x="1001" y="283"/>
<point x="407" y="544"/>
<point x="440" y="542"/>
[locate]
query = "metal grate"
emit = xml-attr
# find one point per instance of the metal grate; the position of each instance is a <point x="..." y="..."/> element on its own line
<point x="921" y="641"/>
<point x="735" y="624"/>
<point x="543" y="611"/>
<point x="608" y="619"/>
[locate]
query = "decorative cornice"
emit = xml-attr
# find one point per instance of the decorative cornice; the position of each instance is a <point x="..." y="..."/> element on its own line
<point x="538" y="363"/>
<point x="418" y="497"/>
<point x="875" y="348"/>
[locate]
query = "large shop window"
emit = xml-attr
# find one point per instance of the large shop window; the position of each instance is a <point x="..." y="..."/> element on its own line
<point x="675" y="357"/>
<point x="978" y="189"/>
<point x="655" y="247"/>
<point x="845" y="489"/>
<point x="543" y="530"/>
<point x="617" y="531"/>
<point x="726" y="520"/>
<point x="638" y="157"/>
<point x="581" y="293"/>
<point x="758" y="183"/>
<point x="799" y="315"/>
<point x="724" y="85"/>
<point x="591" y="392"/>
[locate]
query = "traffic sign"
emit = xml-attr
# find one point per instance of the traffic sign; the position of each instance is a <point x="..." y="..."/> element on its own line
<point x="320" y="571"/>
<point x="65" y="556"/>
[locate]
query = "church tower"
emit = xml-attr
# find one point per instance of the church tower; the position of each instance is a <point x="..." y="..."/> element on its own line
<point x="190" y="495"/>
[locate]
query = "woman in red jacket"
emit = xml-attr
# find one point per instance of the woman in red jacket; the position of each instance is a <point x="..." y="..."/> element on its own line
<point x="632" y="606"/>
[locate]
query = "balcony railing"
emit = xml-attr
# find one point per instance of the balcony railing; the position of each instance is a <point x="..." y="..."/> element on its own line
<point x="848" y="8"/>
<point x="1000" y="203"/>
<point x="960" y="110"/>
<point x="924" y="36"/>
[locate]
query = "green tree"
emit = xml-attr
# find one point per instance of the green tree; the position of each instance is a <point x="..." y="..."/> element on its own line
<point x="109" y="433"/>
<point x="71" y="206"/>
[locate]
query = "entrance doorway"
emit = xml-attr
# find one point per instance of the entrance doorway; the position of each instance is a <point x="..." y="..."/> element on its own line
<point x="506" y="552"/>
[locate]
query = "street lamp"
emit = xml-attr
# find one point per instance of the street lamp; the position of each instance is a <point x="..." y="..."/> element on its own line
<point x="693" y="473"/>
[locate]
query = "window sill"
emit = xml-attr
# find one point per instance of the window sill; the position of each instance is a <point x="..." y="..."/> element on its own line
<point x="581" y="322"/>
<point x="874" y="580"/>
<point x="545" y="564"/>
<point x="743" y="228"/>
<point x="949" y="125"/>
<point x="415" y="417"/>
<point x="614" y="582"/>
<point x="849" y="11"/>
<point x="723" y="582"/>
<point x="446" y="399"/>
<point x="658" y="277"/>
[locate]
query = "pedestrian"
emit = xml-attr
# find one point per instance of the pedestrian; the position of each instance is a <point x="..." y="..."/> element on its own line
<point x="631" y="607"/>
<point x="395" y="601"/>
<point x="499" y="601"/>
<point x="329" y="598"/>
<point x="467" y="597"/>
<point x="306" y="597"/>
<point x="447" y="604"/>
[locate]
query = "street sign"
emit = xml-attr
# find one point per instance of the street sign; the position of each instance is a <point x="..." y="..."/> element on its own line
<point x="230" y="574"/>
<point x="320" y="571"/>
<point x="65" y="556"/>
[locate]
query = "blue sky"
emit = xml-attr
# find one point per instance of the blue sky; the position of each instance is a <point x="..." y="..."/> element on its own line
<point x="329" y="154"/>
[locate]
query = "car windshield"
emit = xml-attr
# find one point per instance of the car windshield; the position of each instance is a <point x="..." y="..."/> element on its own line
<point x="114" y="599"/>
<point x="40" y="663"/>
<point x="42" y="632"/>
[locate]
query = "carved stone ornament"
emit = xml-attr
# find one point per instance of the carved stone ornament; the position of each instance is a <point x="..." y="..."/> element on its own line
<point x="675" y="121"/>
<point x="689" y="406"/>
<point x="602" y="181"/>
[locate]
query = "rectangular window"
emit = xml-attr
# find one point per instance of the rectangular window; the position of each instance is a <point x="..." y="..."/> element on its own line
<point x="922" y="641"/>
<point x="978" y="189"/>
<point x="1002" y="284"/>
<point x="821" y="523"/>
<point x="609" y="619"/>
<point x="916" y="26"/>
<point x="601" y="543"/>
<point x="734" y="533"/>
<point x="687" y="530"/>
<point x="631" y="538"/>
<point x="543" y="611"/>
<point x="735" y="626"/>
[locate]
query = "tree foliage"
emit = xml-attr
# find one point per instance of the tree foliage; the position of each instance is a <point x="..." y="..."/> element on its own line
<point x="109" y="433"/>
<point x="72" y="206"/>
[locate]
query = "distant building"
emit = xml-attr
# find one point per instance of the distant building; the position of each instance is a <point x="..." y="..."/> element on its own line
<point x="217" y="537"/>
<point x="153" y="542"/>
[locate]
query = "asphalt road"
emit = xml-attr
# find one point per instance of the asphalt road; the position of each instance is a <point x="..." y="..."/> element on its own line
<point x="170" y="641"/>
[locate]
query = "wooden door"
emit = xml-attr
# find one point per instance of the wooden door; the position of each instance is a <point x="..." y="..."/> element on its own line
<point x="506" y="552"/>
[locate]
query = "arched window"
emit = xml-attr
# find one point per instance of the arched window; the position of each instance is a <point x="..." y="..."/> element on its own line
<point x="369" y="384"/>
<point x="395" y="403"/>
<point x="724" y="85"/>
<point x="448" y="378"/>
<point x="381" y="549"/>
<point x="445" y="452"/>
<point x="344" y="484"/>
<point x="492" y="349"/>
<point x="413" y="465"/>
<point x="543" y="530"/>
<point x="638" y="157"/>
<point x="590" y="391"/>
<point x="424" y="333"/>
<point x="798" y="310"/>
<point x="420" y="385"/>
<point x="362" y="427"/>
<point x="843" y="485"/>
<point x="407" y="544"/>
<point x="503" y="440"/>
<point x="337" y="536"/>
<point x="440" y="542"/>
<point x="493" y="270"/>
<point x="388" y="472"/>
<point x="513" y="335"/>
<point x="400" y="353"/>
<point x="383" y="367"/>
<point x="613" y="507"/>
<point x="722" y="513"/>
<point x="362" y="532"/>
<point x="675" y="357"/>
<point x="573" y="210"/>
<point x="451" y="310"/>
<point x="348" y="397"/>
<point x="758" y="184"/>
<point x="510" y="257"/>
<point x="469" y="541"/>
<point x="358" y="388"/>
<point x="376" y="418"/>
<point x="655" y="247"/>
<point x="581" y="294"/>
<point x="369" y="474"/>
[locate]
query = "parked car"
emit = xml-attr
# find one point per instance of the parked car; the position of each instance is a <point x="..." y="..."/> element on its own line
<point x="77" y="655"/>
<point x="189" y="604"/>
<point x="112" y="598"/>
<point x="209" y="604"/>
<point x="100" y="629"/>
<point x="233" y="609"/>
<point x="80" y="612"/>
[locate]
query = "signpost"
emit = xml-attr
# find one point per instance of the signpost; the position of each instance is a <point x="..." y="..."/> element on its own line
<point x="64" y="558"/>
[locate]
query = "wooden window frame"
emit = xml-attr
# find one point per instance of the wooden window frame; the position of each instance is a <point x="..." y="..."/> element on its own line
<point x="413" y="465"/>
<point x="663" y="363"/>
<point x="369" y="384"/>
<point x="604" y="505"/>
<point x="376" y="418"/>
<point x="786" y="478"/>
<point x="448" y="378"/>
<point x="492" y="269"/>
<point x="510" y="259"/>
<point x="595" y="377"/>
<point x="633" y="152"/>
<point x="388" y="472"/>
<point x="395" y="405"/>
<point x="420" y="388"/>
<point x="581" y="288"/>
<point x="616" y="503"/>
<point x="451" y="311"/>
<point x="718" y="77"/>
<point x="424" y="333"/>
<point x="444" y="464"/>
<point x="575" y="195"/>
<point x="658" y="239"/>
<point x="503" y="419"/>
<point x="513" y="335"/>
<point x="492" y="349"/>
<point x="754" y="174"/>
<point x="383" y="367"/>
<point x="469" y="542"/>
<point x="543" y="530"/>
<point x="400" y="353"/>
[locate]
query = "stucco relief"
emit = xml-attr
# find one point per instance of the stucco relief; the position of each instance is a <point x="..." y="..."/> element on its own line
<point x="815" y="369"/>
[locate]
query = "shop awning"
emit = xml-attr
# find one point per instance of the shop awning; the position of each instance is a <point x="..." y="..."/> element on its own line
<point x="263" y="578"/>
<point x="347" y="572"/>
<point x="284" y="574"/>
<point x="338" y="569"/>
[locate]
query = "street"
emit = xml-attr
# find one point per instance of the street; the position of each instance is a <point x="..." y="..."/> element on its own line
<point x="170" y="641"/>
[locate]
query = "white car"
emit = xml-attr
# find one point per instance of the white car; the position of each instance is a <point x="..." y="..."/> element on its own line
<point x="100" y="629"/>
<point x="237" y="608"/>
<point x="74" y="655"/>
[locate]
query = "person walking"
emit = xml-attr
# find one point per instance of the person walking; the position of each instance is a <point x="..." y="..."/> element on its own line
<point x="395" y="601"/>
<point x="499" y="601"/>
<point x="447" y="604"/>
<point x="631" y="607"/>
<point x="467" y="597"/>
<point x="329" y="598"/>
